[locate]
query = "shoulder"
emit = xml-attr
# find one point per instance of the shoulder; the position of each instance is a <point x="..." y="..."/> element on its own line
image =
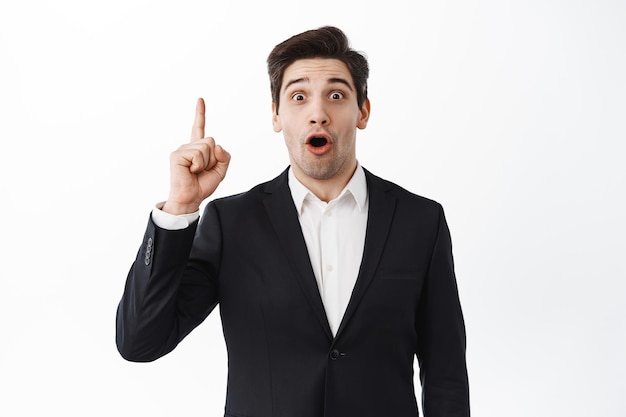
<point x="402" y="195"/>
<point x="254" y="195"/>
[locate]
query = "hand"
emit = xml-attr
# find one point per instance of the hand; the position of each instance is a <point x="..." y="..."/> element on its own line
<point x="196" y="169"/>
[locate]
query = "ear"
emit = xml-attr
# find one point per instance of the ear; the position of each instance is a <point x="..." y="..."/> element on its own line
<point x="364" y="114"/>
<point x="276" y="119"/>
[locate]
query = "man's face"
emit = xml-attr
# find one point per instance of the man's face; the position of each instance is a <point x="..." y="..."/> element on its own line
<point x="318" y="116"/>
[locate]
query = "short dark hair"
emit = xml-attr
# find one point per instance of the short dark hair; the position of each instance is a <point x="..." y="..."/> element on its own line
<point x="324" y="42"/>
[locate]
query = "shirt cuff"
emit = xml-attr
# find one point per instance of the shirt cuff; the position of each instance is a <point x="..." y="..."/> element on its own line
<point x="172" y="221"/>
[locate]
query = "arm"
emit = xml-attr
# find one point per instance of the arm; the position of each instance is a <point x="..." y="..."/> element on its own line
<point x="148" y="323"/>
<point x="164" y="298"/>
<point x="441" y="335"/>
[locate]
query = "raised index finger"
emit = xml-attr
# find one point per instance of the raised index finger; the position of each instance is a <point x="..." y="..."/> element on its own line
<point x="197" y="131"/>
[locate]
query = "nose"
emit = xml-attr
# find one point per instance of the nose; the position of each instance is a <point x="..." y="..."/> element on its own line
<point x="319" y="115"/>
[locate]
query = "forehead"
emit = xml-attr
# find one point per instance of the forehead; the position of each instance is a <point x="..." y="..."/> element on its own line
<point x="317" y="70"/>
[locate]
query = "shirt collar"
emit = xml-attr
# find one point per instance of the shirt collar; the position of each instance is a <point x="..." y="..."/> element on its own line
<point x="356" y="187"/>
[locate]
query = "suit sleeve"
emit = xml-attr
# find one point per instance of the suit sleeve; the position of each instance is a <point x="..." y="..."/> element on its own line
<point x="441" y="335"/>
<point x="169" y="290"/>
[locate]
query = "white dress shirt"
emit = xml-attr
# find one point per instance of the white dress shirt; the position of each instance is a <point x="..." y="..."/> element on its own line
<point x="334" y="233"/>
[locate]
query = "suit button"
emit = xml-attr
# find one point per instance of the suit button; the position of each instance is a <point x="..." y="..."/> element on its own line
<point x="334" y="354"/>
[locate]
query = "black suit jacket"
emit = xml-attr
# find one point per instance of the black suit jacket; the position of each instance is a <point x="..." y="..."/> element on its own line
<point x="248" y="254"/>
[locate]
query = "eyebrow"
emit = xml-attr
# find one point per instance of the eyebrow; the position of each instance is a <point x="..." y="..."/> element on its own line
<point x="330" y="81"/>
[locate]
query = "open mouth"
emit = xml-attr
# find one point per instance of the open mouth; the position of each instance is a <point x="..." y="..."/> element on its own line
<point x="318" y="142"/>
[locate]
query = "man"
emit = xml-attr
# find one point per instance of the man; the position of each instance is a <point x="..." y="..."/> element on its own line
<point x="329" y="279"/>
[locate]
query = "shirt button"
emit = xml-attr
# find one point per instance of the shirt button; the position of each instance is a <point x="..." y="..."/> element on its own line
<point x="329" y="268"/>
<point x="329" y="213"/>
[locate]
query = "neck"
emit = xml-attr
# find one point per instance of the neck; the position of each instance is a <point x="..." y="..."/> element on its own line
<point x="326" y="189"/>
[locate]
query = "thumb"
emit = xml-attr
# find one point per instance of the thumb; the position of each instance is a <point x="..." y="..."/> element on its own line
<point x="223" y="159"/>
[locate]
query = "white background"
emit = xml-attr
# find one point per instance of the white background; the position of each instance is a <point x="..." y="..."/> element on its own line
<point x="509" y="113"/>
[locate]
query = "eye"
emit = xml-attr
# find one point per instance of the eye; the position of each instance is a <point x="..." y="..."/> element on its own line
<point x="297" y="97"/>
<point x="336" y="95"/>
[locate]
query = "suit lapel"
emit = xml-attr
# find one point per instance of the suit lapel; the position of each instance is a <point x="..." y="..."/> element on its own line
<point x="284" y="218"/>
<point x="381" y="209"/>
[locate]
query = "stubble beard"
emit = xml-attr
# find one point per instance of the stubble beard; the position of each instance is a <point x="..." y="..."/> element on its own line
<point x="320" y="170"/>
<point x="324" y="167"/>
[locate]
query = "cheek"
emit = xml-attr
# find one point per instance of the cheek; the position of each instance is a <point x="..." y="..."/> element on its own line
<point x="289" y="128"/>
<point x="289" y="138"/>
